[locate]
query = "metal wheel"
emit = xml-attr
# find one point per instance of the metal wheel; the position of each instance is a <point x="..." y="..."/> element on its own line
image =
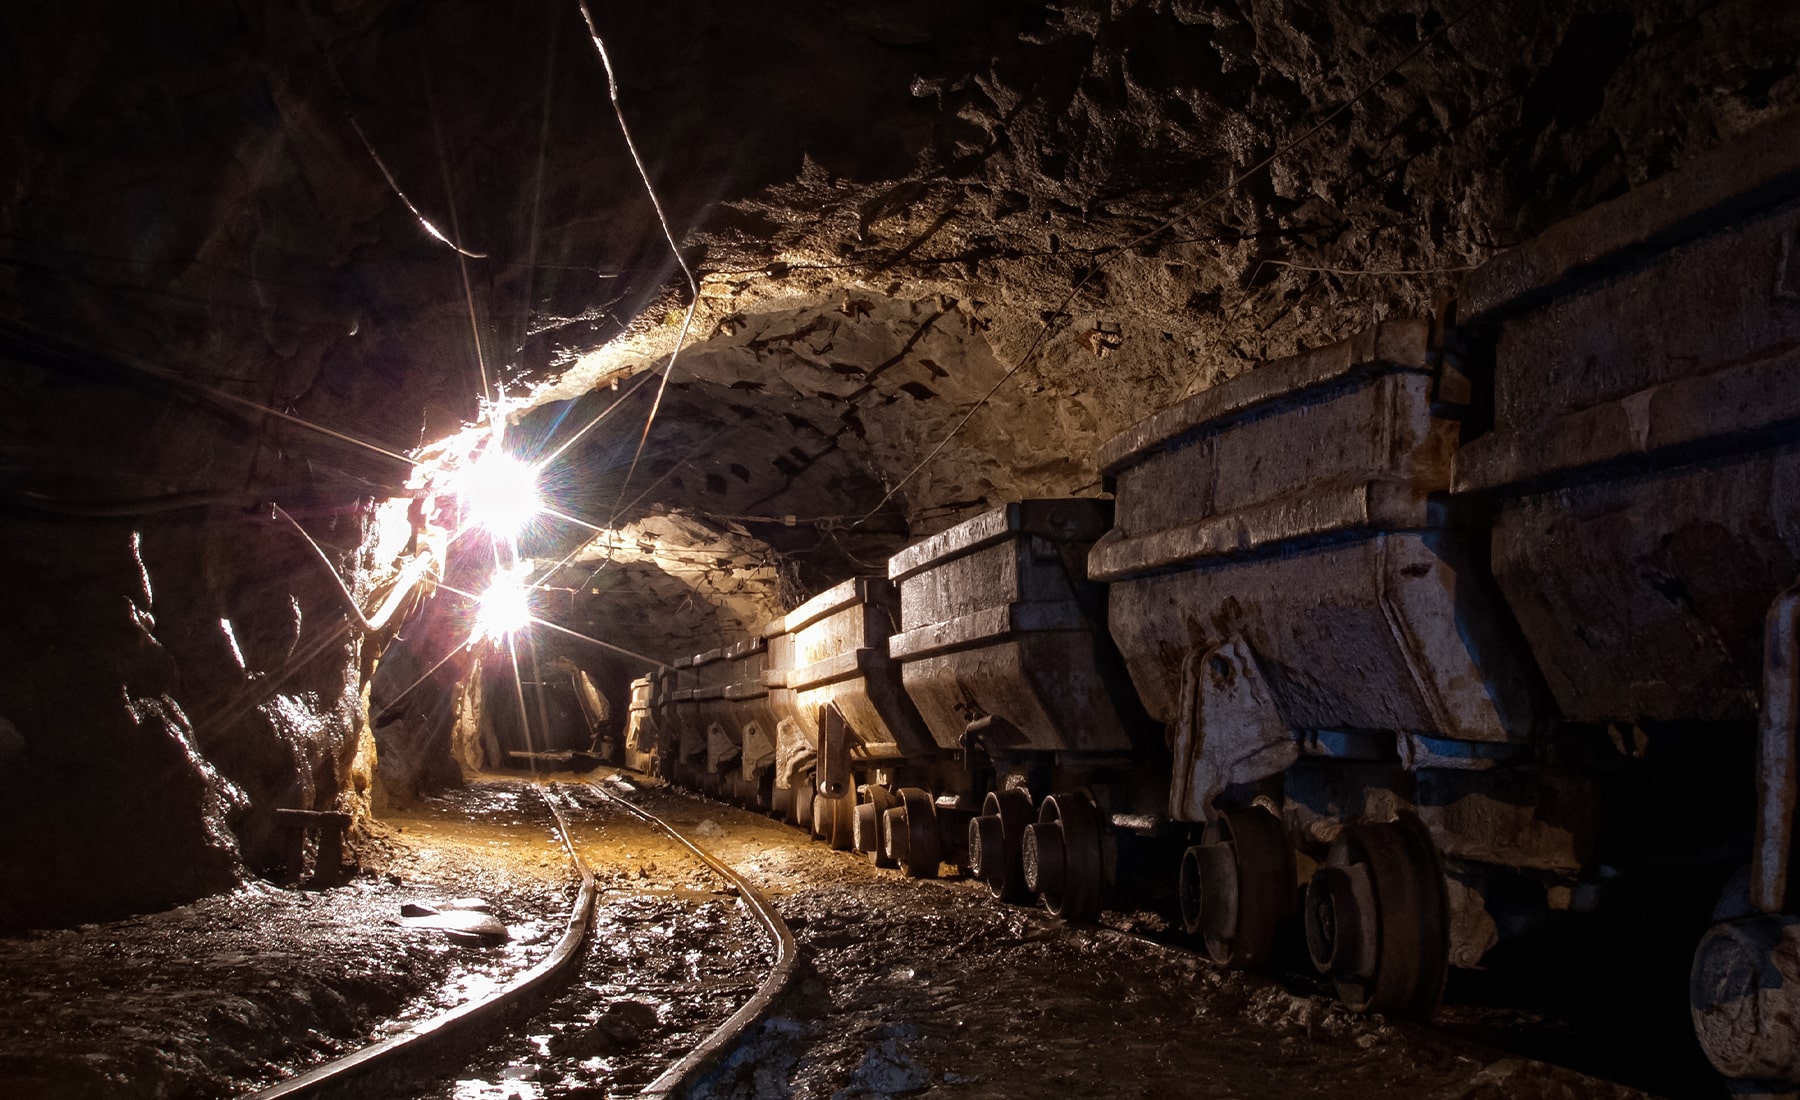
<point x="865" y="832"/>
<point x="801" y="805"/>
<point x="995" y="839"/>
<point x="1376" y="919"/>
<point x="1744" y="994"/>
<point x="909" y="832"/>
<point x="832" y="819"/>
<point x="1236" y="886"/>
<point x="1061" y="856"/>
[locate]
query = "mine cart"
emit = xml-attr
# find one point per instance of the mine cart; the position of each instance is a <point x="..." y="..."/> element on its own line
<point x="845" y="714"/>
<point x="712" y="739"/>
<point x="790" y="794"/>
<point x="687" y="737"/>
<point x="1299" y="605"/>
<point x="1003" y="648"/>
<point x="1642" y="471"/>
<point x="640" y="729"/>
<point x="752" y="715"/>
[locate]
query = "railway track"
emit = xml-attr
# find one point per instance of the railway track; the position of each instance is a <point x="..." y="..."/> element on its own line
<point x="663" y="944"/>
<point x="908" y="985"/>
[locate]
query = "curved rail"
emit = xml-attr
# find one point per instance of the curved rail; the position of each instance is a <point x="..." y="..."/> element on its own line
<point x="678" y="1078"/>
<point x="459" y="1019"/>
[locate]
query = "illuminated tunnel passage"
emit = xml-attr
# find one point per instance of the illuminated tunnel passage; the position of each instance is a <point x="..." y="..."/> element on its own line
<point x="1435" y="362"/>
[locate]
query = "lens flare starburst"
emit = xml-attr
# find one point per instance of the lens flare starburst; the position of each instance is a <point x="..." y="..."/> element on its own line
<point x="505" y="608"/>
<point x="500" y="493"/>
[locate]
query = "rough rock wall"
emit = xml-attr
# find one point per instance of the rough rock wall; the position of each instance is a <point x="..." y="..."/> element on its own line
<point x="176" y="666"/>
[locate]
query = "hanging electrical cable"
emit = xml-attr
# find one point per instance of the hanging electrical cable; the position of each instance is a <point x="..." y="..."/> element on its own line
<point x="612" y="86"/>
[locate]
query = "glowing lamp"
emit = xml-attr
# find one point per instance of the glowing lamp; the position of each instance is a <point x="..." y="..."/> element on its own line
<point x="503" y="609"/>
<point x="500" y="493"/>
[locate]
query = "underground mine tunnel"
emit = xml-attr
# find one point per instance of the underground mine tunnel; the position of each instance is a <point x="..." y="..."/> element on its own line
<point x="1192" y="547"/>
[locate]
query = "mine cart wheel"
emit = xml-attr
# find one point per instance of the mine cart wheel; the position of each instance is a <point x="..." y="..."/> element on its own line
<point x="1744" y="994"/>
<point x="832" y="818"/>
<point x="1376" y="919"/>
<point x="1061" y="856"/>
<point x="865" y="832"/>
<point x="1236" y="886"/>
<point x="995" y="839"/>
<point x="802" y="804"/>
<point x="909" y="831"/>
<point x="765" y="792"/>
<point x="781" y="802"/>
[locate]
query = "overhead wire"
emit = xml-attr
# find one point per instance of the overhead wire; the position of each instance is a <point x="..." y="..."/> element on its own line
<point x="466" y="594"/>
<point x="462" y="263"/>
<point x="612" y="87"/>
<point x="346" y="102"/>
<point x="65" y="351"/>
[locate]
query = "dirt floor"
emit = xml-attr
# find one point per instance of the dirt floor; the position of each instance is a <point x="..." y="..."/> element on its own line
<point x="906" y="987"/>
<point x="933" y="987"/>
<point x="210" y="999"/>
<point x="671" y="957"/>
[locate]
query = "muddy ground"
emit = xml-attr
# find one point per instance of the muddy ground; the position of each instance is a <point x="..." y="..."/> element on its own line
<point x="671" y="957"/>
<point x="906" y="987"/>
<point x="233" y="991"/>
<point x="915" y="987"/>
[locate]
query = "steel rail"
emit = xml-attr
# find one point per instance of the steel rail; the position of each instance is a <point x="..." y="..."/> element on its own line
<point x="426" y="1036"/>
<point x="679" y="1078"/>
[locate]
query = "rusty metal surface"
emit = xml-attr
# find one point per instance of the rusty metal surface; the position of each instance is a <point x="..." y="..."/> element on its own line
<point x="835" y="652"/>
<point x="1778" y="754"/>
<point x="752" y="710"/>
<point x="713" y="714"/>
<point x="1001" y="628"/>
<point x="1643" y="597"/>
<point x="780" y="700"/>
<point x="663" y="718"/>
<point x="684" y="714"/>
<point x="1380" y="633"/>
<point x="1372" y="449"/>
<point x="1718" y="187"/>
<point x="1744" y="995"/>
<point x="1682" y="348"/>
<point x="1073" y="520"/>
<point x="1530" y="818"/>
<point x="1376" y="919"/>
<point x="1237" y="885"/>
<point x="1401" y="344"/>
<point x="1227" y="730"/>
<point x="1644" y="466"/>
<point x="640" y="726"/>
<point x="1297" y="507"/>
<point x="1741" y="402"/>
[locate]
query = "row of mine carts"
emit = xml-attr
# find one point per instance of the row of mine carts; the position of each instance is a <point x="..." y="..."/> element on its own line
<point x="1392" y="636"/>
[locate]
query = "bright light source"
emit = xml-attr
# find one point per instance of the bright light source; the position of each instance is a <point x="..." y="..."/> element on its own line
<point x="505" y="607"/>
<point x="500" y="493"/>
